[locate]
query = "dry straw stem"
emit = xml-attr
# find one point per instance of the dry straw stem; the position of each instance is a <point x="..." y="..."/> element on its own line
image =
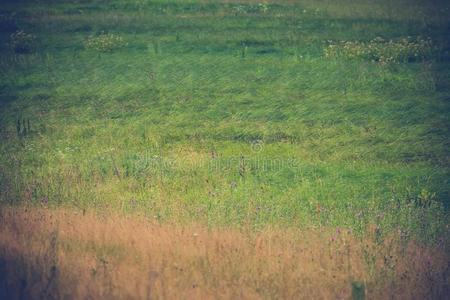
<point x="76" y="255"/>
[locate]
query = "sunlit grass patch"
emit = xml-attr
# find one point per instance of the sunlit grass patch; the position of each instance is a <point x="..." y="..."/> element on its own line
<point x="105" y="42"/>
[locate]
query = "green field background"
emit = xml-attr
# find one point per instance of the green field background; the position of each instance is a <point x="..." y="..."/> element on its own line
<point x="228" y="113"/>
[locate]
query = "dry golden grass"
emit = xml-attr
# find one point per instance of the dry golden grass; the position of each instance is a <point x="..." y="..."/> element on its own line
<point x="74" y="255"/>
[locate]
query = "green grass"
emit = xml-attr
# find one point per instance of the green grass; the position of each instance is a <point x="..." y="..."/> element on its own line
<point x="227" y="115"/>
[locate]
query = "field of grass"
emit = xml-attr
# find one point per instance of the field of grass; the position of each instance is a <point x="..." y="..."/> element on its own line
<point x="232" y="116"/>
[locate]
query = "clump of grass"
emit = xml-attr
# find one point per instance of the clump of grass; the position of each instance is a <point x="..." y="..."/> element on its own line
<point x="381" y="50"/>
<point x="248" y="9"/>
<point x="358" y="291"/>
<point x="105" y="42"/>
<point x="22" y="42"/>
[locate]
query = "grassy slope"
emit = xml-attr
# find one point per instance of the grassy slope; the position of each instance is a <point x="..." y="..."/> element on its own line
<point x="150" y="127"/>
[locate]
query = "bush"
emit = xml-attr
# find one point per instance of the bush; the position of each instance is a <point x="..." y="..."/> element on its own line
<point x="381" y="50"/>
<point x="248" y="9"/>
<point x="105" y="42"/>
<point x="22" y="42"/>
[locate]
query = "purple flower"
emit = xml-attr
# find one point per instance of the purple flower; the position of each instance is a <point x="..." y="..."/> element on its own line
<point x="44" y="201"/>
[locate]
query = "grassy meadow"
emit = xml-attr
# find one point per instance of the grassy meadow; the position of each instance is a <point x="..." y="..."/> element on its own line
<point x="251" y="126"/>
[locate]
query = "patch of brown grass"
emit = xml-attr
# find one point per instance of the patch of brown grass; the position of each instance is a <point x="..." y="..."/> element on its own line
<point x="69" y="254"/>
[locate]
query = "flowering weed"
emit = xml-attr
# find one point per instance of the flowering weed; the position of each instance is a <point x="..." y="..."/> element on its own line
<point x="105" y="42"/>
<point x="381" y="50"/>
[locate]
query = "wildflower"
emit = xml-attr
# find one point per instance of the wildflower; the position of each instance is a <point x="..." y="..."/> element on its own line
<point x="44" y="201"/>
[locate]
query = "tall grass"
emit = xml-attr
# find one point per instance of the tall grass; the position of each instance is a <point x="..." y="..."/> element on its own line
<point x="78" y="254"/>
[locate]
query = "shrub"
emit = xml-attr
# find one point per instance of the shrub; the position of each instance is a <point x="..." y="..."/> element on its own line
<point x="22" y="42"/>
<point x="248" y="9"/>
<point x="381" y="50"/>
<point x="105" y="42"/>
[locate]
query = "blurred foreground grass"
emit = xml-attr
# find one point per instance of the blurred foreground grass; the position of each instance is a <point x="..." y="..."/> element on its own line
<point x="54" y="254"/>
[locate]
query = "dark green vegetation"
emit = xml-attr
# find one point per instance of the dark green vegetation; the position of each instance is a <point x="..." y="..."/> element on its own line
<point x="229" y="114"/>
